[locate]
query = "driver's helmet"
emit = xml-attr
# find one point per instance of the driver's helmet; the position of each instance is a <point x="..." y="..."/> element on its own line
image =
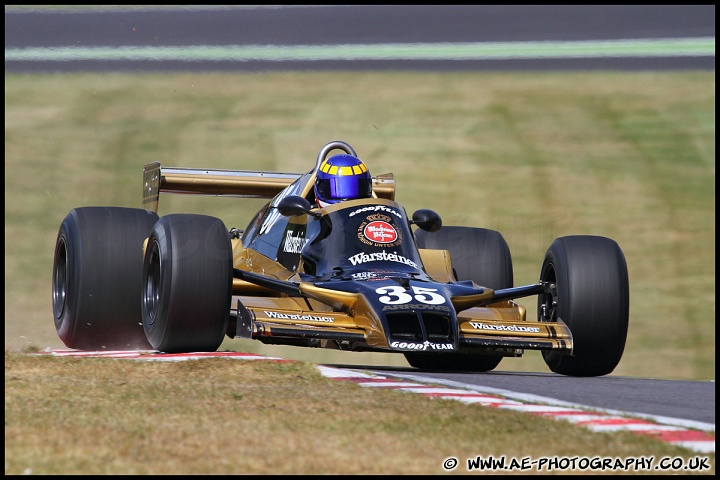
<point x="342" y="177"/>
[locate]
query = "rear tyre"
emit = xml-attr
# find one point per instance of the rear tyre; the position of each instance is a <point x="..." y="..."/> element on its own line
<point x="592" y="297"/>
<point x="476" y="254"/>
<point x="97" y="278"/>
<point x="187" y="284"/>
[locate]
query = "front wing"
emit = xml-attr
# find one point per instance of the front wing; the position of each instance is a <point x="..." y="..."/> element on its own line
<point x="498" y="328"/>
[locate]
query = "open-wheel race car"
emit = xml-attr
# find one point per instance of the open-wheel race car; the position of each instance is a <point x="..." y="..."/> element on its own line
<point x="357" y="275"/>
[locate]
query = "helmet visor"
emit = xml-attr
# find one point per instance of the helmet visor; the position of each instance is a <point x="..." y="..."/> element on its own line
<point x="344" y="188"/>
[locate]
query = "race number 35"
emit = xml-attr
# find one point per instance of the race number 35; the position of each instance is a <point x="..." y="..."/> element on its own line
<point x="396" y="295"/>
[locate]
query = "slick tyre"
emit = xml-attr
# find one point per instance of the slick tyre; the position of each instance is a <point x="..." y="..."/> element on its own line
<point x="448" y="362"/>
<point x="592" y="297"/>
<point x="477" y="254"/>
<point x="97" y="278"/>
<point x="187" y="284"/>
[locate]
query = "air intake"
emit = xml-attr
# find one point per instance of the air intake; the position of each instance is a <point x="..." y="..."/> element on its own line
<point x="418" y="326"/>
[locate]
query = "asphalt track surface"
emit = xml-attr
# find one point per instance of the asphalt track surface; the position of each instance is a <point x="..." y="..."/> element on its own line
<point x="689" y="400"/>
<point x="361" y="37"/>
<point x="124" y="34"/>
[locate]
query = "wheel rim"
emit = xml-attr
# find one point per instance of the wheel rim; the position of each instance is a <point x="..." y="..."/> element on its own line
<point x="60" y="280"/>
<point x="547" y="302"/>
<point x="151" y="295"/>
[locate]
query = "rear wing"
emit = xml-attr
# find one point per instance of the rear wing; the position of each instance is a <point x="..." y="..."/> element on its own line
<point x="233" y="183"/>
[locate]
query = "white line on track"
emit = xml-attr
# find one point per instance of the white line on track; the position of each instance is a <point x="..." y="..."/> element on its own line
<point x="696" y="436"/>
<point x="627" y="48"/>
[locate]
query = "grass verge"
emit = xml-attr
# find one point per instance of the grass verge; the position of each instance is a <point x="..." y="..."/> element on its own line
<point x="84" y="416"/>
<point x="536" y="156"/>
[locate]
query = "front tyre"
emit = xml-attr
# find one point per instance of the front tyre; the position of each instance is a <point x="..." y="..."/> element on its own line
<point x="97" y="278"/>
<point x="592" y="297"/>
<point x="187" y="284"/>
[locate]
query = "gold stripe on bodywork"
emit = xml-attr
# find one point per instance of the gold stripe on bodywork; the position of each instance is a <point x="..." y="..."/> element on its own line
<point x="564" y="346"/>
<point x="468" y="301"/>
<point x="437" y="264"/>
<point x="340" y="300"/>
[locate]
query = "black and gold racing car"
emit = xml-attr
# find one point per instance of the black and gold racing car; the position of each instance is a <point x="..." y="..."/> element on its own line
<point x="360" y="275"/>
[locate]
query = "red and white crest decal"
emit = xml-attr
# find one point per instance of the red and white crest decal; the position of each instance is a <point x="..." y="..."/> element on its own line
<point x="377" y="230"/>
<point x="380" y="232"/>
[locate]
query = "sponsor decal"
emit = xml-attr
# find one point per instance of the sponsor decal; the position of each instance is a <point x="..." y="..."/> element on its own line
<point x="294" y="242"/>
<point x="361" y="258"/>
<point x="504" y="328"/>
<point x="273" y="215"/>
<point x="376" y="208"/>
<point x="377" y="231"/>
<point x="269" y="221"/>
<point x="367" y="275"/>
<point x="422" y="346"/>
<point x="291" y="245"/>
<point x="380" y="232"/>
<point x="415" y="306"/>
<point x="296" y="316"/>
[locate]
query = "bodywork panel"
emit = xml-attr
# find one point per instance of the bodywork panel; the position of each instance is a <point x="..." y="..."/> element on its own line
<point x="350" y="275"/>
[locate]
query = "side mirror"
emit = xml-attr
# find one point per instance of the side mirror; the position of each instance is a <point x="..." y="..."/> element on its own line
<point x="293" y="205"/>
<point x="427" y="220"/>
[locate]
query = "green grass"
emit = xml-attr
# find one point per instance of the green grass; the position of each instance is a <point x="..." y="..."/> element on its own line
<point x="630" y="156"/>
<point x="67" y="416"/>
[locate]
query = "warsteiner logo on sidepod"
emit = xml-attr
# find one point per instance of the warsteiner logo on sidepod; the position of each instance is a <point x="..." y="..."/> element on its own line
<point x="291" y="245"/>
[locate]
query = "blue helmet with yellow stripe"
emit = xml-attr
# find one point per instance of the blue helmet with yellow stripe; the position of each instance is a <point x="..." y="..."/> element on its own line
<point x="342" y="177"/>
